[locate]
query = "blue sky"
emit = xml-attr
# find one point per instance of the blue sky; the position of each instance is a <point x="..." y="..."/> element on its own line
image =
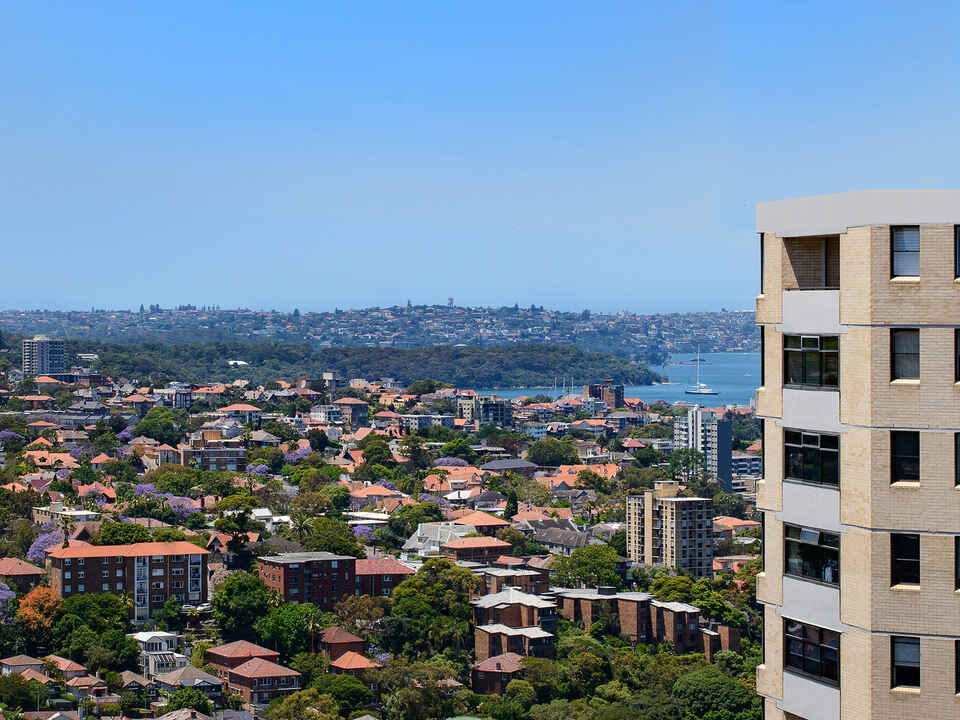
<point x="313" y="155"/>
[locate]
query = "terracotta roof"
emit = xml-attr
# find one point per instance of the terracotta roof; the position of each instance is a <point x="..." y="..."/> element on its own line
<point x="482" y="519"/>
<point x="178" y="547"/>
<point x="349" y="401"/>
<point x="336" y="635"/>
<point x="508" y="663"/>
<point x="731" y="523"/>
<point x="509" y="560"/>
<point x="41" y="441"/>
<point x="101" y="458"/>
<point x="351" y="660"/>
<point x="475" y="542"/>
<point x="64" y="664"/>
<point x="21" y="660"/>
<point x="260" y="668"/>
<point x="373" y="491"/>
<point x="242" y="648"/>
<point x="240" y="407"/>
<point x="16" y="566"/>
<point x="31" y="674"/>
<point x="381" y="566"/>
<point x="85" y="681"/>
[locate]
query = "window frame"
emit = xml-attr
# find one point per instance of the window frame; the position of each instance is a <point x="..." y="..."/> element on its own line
<point x="898" y="574"/>
<point x="789" y="542"/>
<point x="820" y="450"/>
<point x="894" y="355"/>
<point x="956" y="260"/>
<point x="804" y="347"/>
<point x="893" y="251"/>
<point x="894" y="478"/>
<point x="905" y="639"/>
<point x="805" y="645"/>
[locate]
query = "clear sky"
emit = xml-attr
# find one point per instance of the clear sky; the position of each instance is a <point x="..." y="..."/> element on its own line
<point x="316" y="154"/>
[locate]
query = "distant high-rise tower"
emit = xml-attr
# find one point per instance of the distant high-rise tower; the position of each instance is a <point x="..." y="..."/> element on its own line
<point x="44" y="356"/>
<point x="702" y="430"/>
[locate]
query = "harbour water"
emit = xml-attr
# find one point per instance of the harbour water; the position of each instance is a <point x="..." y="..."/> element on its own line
<point x="734" y="376"/>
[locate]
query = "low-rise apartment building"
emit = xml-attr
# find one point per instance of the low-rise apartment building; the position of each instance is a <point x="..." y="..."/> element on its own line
<point x="320" y="578"/>
<point x="148" y="573"/>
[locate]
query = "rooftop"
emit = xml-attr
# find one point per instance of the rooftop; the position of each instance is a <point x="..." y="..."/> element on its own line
<point x="302" y="557"/>
<point x="179" y="547"/>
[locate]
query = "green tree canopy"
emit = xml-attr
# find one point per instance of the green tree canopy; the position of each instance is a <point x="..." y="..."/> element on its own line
<point x="589" y="566"/>
<point x="238" y="603"/>
<point x="552" y="452"/>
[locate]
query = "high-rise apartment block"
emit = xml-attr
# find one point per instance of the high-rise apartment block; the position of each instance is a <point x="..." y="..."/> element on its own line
<point x="703" y="430"/>
<point x="664" y="529"/>
<point x="610" y="392"/>
<point x="485" y="410"/>
<point x="43" y="356"/>
<point x="859" y="312"/>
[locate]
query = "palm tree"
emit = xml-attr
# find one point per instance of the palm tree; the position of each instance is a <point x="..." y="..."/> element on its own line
<point x="301" y="524"/>
<point x="314" y="626"/>
<point x="66" y="525"/>
<point x="274" y="598"/>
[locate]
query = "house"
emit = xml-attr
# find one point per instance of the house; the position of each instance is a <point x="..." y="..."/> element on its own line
<point x="261" y="438"/>
<point x="476" y="549"/>
<point x="491" y="676"/>
<point x="57" y="511"/>
<point x="335" y="641"/>
<point x="429" y="537"/>
<point x="18" y="663"/>
<point x="19" y="574"/>
<point x="232" y="655"/>
<point x="484" y="523"/>
<point x="725" y="526"/>
<point x="189" y="676"/>
<point x="259" y="681"/>
<point x="380" y="575"/>
<point x="68" y="668"/>
<point x="158" y="652"/>
<point x="138" y="685"/>
<point x="87" y="686"/>
<point x="352" y="663"/>
<point x="564" y="542"/>
<point x="498" y="579"/>
<point x="242" y="412"/>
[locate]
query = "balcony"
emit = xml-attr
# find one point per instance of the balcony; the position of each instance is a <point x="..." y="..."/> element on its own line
<point x="811" y="263"/>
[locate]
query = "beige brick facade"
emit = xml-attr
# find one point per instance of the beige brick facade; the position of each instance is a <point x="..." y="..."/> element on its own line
<point x="868" y="507"/>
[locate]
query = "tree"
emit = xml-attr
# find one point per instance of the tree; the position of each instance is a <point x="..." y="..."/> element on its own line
<point x="238" y="603"/>
<point x="731" y="504"/>
<point x="318" y="440"/>
<point x="416" y="691"/>
<point x="350" y="693"/>
<point x="304" y="705"/>
<point x="411" y="446"/>
<point x="310" y="504"/>
<point x="168" y="616"/>
<point x="334" y="536"/>
<point x="458" y="448"/>
<point x="359" y="613"/>
<point x="709" y="693"/>
<point x="188" y="697"/>
<point x="618" y="541"/>
<point x="282" y="628"/>
<point x="120" y="533"/>
<point x="589" y="566"/>
<point x="552" y="452"/>
<point x="686" y="464"/>
<point x="38" y="610"/>
<point x="377" y="452"/>
<point x="444" y="586"/>
<point x="161" y="424"/>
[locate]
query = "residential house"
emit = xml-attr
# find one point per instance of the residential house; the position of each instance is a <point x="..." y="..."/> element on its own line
<point x="158" y="652"/>
<point x="335" y="641"/>
<point x="18" y="663"/>
<point x="352" y="663"/>
<point x="19" y="574"/>
<point x="491" y="675"/>
<point x="227" y="657"/>
<point x="429" y="538"/>
<point x="475" y="549"/>
<point x="190" y="677"/>
<point x="380" y="575"/>
<point x="354" y="410"/>
<point x="68" y="668"/>
<point x="259" y="681"/>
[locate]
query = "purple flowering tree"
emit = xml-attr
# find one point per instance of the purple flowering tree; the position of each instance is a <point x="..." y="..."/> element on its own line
<point x="450" y="462"/>
<point x="258" y="470"/>
<point x="6" y="597"/>
<point x="44" y="541"/>
<point x="145" y="489"/>
<point x="125" y="435"/>
<point x="363" y="533"/>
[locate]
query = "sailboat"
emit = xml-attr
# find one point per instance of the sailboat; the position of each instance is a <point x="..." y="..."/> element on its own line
<point x="700" y="388"/>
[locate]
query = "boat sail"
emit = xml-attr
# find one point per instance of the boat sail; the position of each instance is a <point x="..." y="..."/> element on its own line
<point x="700" y="388"/>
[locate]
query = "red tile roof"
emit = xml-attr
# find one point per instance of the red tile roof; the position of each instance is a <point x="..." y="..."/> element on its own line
<point x="336" y="635"/>
<point x="349" y="401"/>
<point x="381" y="566"/>
<point x="16" y="566"/>
<point x="242" y="648"/>
<point x="178" y="547"/>
<point x="351" y="660"/>
<point x="64" y="664"/>
<point x="260" y="668"/>
<point x="481" y="519"/>
<point x="240" y="407"/>
<point x="508" y="663"/>
<point x="475" y="542"/>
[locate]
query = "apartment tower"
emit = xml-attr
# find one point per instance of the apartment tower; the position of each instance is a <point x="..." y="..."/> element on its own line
<point x="711" y="435"/>
<point x="859" y="313"/>
<point x="43" y="356"/>
<point x="672" y="531"/>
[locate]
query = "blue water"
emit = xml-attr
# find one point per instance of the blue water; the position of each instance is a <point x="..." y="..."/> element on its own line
<point x="734" y="376"/>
